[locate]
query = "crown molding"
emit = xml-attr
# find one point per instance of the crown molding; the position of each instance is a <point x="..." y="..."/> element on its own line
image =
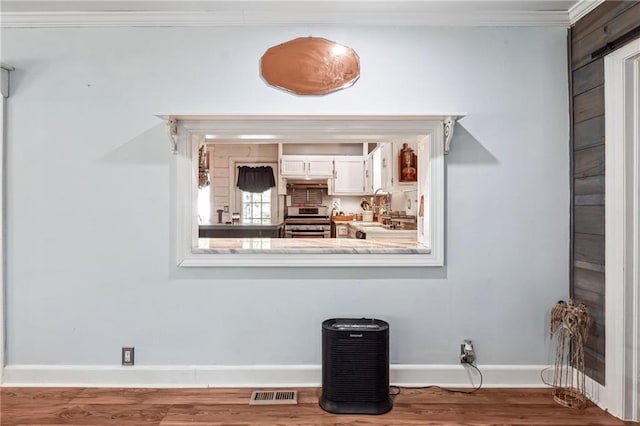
<point x="581" y="9"/>
<point x="280" y="17"/>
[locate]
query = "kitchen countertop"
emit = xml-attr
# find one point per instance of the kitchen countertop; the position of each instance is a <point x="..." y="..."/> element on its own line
<point x="241" y="226"/>
<point x="375" y="230"/>
<point x="309" y="245"/>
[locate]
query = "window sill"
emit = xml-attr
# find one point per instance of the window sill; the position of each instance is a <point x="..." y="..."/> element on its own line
<point x="307" y="246"/>
<point x="334" y="252"/>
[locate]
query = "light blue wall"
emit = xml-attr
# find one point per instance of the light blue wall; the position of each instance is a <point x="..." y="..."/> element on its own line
<point x="90" y="258"/>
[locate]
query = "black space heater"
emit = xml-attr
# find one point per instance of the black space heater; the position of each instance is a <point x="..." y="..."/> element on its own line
<point x="355" y="366"/>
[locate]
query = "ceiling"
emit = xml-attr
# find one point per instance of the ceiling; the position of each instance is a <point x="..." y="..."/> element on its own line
<point x="33" y="13"/>
<point x="203" y="5"/>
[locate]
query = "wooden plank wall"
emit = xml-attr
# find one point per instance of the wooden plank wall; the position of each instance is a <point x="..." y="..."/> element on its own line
<point x="606" y="23"/>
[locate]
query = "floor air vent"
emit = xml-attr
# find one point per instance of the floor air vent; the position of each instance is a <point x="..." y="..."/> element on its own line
<point x="273" y="397"/>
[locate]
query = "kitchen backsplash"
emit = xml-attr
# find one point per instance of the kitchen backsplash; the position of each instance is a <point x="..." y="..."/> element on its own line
<point x="400" y="201"/>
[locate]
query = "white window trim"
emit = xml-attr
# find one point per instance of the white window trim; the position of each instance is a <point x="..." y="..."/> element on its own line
<point x="437" y="129"/>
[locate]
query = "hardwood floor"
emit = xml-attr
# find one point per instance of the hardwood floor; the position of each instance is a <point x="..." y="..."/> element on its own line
<point x="169" y="407"/>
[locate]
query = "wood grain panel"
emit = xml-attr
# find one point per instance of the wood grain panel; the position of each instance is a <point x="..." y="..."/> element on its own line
<point x="589" y="185"/>
<point x="84" y="415"/>
<point x="595" y="340"/>
<point x="157" y="396"/>
<point x="589" y="289"/>
<point x="589" y="133"/>
<point x="589" y="162"/>
<point x="598" y="356"/>
<point x="589" y="248"/>
<point x="165" y="407"/>
<point x="589" y="200"/>
<point x="588" y="77"/>
<point x="619" y="25"/>
<point x="595" y="310"/>
<point x="589" y="266"/>
<point x="588" y="105"/>
<point x="606" y="23"/>
<point x="589" y="220"/>
<point x="594" y="301"/>
<point x="599" y="17"/>
<point x="594" y="365"/>
<point x="590" y="280"/>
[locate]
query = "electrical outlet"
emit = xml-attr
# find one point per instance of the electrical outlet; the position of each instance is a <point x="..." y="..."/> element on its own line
<point x="467" y="353"/>
<point x="128" y="356"/>
<point x="225" y="209"/>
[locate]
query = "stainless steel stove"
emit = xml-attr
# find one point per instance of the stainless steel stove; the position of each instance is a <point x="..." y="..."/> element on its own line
<point x="307" y="222"/>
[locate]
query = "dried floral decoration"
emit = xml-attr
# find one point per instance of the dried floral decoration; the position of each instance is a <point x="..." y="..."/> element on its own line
<point x="203" y="167"/>
<point x="570" y="323"/>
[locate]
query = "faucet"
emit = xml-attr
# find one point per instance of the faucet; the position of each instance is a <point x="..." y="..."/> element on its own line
<point x="373" y="201"/>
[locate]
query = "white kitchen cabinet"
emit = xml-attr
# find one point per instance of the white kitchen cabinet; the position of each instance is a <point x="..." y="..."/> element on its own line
<point x="348" y="175"/>
<point x="387" y="169"/>
<point x="352" y="232"/>
<point x="368" y="174"/>
<point x="293" y="166"/>
<point x="342" y="230"/>
<point x="388" y="177"/>
<point x="373" y="171"/>
<point x="306" y="166"/>
<point x="368" y="168"/>
<point x="319" y="167"/>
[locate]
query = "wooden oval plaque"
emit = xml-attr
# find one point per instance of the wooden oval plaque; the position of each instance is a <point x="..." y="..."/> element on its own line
<point x="310" y="66"/>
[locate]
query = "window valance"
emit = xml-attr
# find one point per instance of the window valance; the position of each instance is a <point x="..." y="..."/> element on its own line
<point x="255" y="179"/>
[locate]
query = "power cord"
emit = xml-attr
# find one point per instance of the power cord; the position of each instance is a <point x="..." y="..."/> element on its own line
<point x="399" y="388"/>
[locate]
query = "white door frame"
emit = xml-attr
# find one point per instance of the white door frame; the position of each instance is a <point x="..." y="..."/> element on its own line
<point x="2" y="238"/>
<point x="622" y="293"/>
<point x="4" y="93"/>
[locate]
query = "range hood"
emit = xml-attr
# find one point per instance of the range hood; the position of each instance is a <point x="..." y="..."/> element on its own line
<point x="306" y="192"/>
<point x="300" y="184"/>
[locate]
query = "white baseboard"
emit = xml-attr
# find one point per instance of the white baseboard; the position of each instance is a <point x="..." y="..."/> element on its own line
<point x="516" y="376"/>
<point x="598" y="395"/>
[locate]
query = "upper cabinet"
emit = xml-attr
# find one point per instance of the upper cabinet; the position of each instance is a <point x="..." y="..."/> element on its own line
<point x="342" y="164"/>
<point x="387" y="163"/>
<point x="373" y="171"/>
<point x="360" y="171"/>
<point x="306" y="166"/>
<point x="386" y="166"/>
<point x="368" y="174"/>
<point x="348" y="175"/>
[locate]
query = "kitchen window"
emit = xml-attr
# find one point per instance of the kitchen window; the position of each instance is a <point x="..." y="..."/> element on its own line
<point x="256" y="207"/>
<point x="431" y="134"/>
<point x="204" y="204"/>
